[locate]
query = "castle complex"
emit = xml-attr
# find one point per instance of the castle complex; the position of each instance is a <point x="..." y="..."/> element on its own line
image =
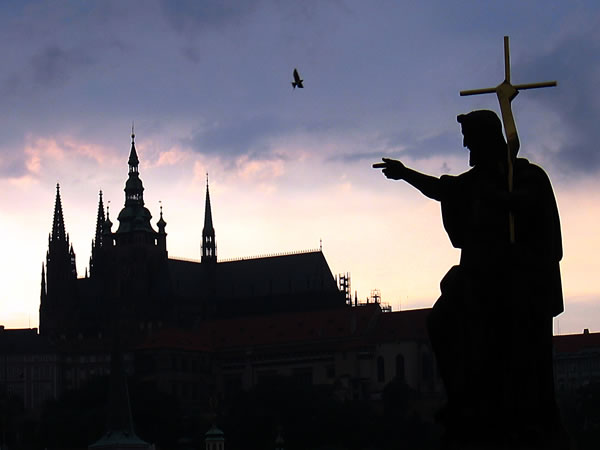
<point x="133" y="282"/>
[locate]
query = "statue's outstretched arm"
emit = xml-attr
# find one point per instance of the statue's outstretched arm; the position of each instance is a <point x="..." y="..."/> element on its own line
<point x="429" y="185"/>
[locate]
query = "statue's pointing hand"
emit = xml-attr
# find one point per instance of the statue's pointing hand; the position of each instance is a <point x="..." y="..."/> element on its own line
<point x="392" y="168"/>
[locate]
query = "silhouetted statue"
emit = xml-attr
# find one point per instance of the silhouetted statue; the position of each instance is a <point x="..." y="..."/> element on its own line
<point x="491" y="329"/>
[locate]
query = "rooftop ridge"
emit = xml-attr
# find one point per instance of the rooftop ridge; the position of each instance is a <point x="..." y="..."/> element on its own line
<point x="246" y="258"/>
<point x="181" y="258"/>
<point x="271" y="255"/>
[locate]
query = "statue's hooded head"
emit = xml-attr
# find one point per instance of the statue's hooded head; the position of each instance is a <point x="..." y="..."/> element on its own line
<point x="482" y="131"/>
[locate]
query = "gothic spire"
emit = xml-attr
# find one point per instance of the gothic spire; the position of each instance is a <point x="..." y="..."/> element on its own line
<point x="133" y="158"/>
<point x="208" y="224"/>
<point x="43" y="287"/>
<point x="100" y="219"/>
<point x="58" y="222"/>
<point x="209" y="245"/>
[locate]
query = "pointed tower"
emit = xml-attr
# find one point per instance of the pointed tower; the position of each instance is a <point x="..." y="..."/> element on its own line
<point x="136" y="273"/>
<point x="43" y="287"/>
<point x="60" y="276"/>
<point x="134" y="218"/>
<point x="97" y="242"/>
<point x="58" y="222"/>
<point x="60" y="258"/>
<point x="209" y="244"/>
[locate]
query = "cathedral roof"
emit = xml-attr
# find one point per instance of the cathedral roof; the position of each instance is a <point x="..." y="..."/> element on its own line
<point x="284" y="274"/>
<point x="280" y="274"/>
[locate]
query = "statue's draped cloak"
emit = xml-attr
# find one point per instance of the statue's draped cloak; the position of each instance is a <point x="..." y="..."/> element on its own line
<point x="475" y="212"/>
<point x="491" y="329"/>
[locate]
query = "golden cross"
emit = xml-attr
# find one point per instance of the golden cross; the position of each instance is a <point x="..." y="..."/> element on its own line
<point x="506" y="92"/>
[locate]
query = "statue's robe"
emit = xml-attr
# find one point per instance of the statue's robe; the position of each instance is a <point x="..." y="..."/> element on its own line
<point x="491" y="329"/>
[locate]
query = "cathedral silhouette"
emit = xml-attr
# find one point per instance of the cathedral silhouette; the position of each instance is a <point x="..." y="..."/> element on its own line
<point x="133" y="284"/>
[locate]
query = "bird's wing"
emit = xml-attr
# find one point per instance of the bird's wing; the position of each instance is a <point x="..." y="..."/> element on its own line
<point x="296" y="76"/>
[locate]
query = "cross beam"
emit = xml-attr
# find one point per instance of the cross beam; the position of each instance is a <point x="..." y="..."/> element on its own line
<point x="506" y="92"/>
<point x="518" y="87"/>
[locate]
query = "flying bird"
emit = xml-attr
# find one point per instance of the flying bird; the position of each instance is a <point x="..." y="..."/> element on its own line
<point x="297" y="81"/>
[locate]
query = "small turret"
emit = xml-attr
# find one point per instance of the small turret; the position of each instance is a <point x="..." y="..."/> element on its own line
<point x="43" y="287"/>
<point x="107" y="228"/>
<point x="214" y="439"/>
<point x="72" y="261"/>
<point x="162" y="235"/>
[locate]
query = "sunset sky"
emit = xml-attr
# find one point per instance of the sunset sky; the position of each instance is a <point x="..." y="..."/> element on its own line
<point x="207" y="84"/>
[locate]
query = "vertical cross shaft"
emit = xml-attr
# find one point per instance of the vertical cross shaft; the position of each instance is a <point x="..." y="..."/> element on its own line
<point x="506" y="60"/>
<point x="505" y="93"/>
